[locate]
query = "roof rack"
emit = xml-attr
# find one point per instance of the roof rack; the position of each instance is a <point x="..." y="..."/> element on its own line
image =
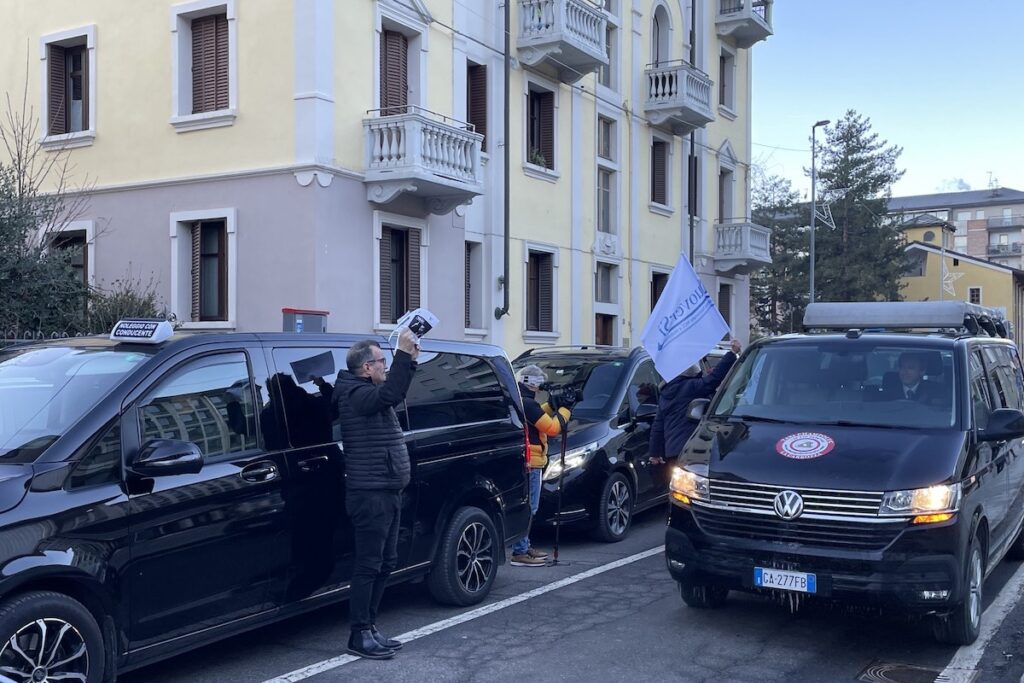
<point x="957" y="317"/>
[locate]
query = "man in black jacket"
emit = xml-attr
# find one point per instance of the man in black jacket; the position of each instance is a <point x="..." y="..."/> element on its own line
<point x="376" y="471"/>
<point x="671" y="428"/>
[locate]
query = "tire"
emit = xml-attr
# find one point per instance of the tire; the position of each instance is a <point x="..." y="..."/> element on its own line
<point x="467" y="559"/>
<point x="614" y="509"/>
<point x="72" y="638"/>
<point x="703" y="596"/>
<point x="1016" y="549"/>
<point x="961" y="626"/>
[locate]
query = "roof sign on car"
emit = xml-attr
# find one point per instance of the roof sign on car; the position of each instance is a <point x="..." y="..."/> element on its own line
<point x="142" y="331"/>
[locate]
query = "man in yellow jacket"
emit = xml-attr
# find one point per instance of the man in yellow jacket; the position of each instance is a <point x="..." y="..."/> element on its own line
<point x="541" y="421"/>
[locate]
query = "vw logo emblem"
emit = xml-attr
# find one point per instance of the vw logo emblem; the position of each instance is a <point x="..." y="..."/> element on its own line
<point x="788" y="504"/>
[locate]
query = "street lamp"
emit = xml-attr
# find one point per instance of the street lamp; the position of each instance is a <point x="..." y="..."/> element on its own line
<point x="814" y="205"/>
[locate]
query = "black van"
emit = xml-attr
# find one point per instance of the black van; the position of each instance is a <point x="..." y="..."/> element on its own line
<point x="885" y="467"/>
<point x="155" y="497"/>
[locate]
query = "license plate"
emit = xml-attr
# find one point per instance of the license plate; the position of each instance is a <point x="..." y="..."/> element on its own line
<point x="784" y="580"/>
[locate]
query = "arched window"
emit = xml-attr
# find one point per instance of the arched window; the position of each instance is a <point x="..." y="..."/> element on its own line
<point x="661" y="30"/>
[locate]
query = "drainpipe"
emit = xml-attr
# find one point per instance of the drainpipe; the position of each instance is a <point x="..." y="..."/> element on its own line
<point x="692" y="168"/>
<point x="503" y="310"/>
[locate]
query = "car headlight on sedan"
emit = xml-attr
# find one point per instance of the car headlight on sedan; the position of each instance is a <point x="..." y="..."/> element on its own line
<point x="687" y="486"/>
<point x="573" y="459"/>
<point x="931" y="504"/>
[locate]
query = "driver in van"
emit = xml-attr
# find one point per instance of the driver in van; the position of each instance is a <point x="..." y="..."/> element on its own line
<point x="912" y="385"/>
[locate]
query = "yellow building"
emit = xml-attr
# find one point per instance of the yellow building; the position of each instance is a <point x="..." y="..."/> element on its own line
<point x="350" y="156"/>
<point x="964" y="278"/>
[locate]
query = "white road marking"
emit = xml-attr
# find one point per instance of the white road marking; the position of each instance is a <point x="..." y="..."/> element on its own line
<point x="333" y="663"/>
<point x="961" y="669"/>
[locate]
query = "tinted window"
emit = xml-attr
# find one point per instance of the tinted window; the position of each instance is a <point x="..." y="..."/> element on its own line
<point x="1004" y="377"/>
<point x="857" y="381"/>
<point x="451" y="389"/>
<point x="643" y="387"/>
<point x="304" y="384"/>
<point x="102" y="462"/>
<point x="981" y="403"/>
<point x="597" y="379"/>
<point x="208" y="401"/>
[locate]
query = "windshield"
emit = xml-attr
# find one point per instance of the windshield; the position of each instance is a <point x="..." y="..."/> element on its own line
<point x="845" y="382"/>
<point x="598" y="380"/>
<point x="45" y="390"/>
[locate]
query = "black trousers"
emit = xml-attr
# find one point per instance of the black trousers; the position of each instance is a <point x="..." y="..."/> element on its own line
<point x="375" y="517"/>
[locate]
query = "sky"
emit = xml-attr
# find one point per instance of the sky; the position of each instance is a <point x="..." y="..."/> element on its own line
<point x="943" y="79"/>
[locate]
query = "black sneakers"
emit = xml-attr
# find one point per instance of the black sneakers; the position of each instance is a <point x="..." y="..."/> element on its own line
<point x="363" y="644"/>
<point x="389" y="643"/>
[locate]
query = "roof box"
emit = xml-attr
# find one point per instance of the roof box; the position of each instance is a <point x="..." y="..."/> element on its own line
<point x="904" y="315"/>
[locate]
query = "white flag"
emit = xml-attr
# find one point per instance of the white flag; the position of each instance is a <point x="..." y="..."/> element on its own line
<point x="684" y="325"/>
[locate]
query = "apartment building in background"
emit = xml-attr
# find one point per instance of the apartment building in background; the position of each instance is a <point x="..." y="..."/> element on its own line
<point x="254" y="156"/>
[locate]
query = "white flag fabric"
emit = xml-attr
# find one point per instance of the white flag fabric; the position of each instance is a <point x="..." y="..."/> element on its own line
<point x="684" y="325"/>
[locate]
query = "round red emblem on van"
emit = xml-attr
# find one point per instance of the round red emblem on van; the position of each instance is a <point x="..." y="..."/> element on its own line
<point x="805" y="445"/>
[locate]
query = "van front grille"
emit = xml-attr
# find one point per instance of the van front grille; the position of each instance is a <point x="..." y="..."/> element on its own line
<point x="747" y="496"/>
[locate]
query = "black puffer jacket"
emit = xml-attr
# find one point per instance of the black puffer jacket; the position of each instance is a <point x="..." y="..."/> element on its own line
<point x="375" y="453"/>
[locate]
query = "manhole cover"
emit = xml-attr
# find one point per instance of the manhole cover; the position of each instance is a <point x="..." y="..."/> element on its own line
<point x="888" y="672"/>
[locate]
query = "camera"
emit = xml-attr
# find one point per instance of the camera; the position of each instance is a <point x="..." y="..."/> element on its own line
<point x="561" y="395"/>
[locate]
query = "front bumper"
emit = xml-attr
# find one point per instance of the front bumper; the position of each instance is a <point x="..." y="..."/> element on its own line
<point x="917" y="560"/>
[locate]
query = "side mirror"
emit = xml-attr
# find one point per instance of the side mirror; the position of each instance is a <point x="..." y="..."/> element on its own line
<point x="646" y="412"/>
<point x="167" y="457"/>
<point x="1003" y="424"/>
<point x="695" y="411"/>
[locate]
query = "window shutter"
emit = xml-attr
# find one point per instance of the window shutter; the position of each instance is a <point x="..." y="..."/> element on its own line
<point x="413" y="259"/>
<point x="221" y="71"/>
<point x="532" y="292"/>
<point x="56" y="90"/>
<point x="725" y="306"/>
<point x="692" y="184"/>
<point x="547" y="129"/>
<point x="85" y="87"/>
<point x="467" y="274"/>
<point x="658" y="162"/>
<point x="476" y="101"/>
<point x="386" y="315"/>
<point x="197" y="259"/>
<point x="545" y="287"/>
<point x="394" y="77"/>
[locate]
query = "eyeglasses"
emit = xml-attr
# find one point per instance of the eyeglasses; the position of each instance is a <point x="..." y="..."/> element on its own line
<point x="377" y="360"/>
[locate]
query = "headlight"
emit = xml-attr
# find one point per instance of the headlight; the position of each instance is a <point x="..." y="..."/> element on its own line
<point x="573" y="459"/>
<point x="687" y="486"/>
<point x="934" y="500"/>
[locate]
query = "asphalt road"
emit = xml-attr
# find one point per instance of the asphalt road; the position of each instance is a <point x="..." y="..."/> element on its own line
<point x="624" y="623"/>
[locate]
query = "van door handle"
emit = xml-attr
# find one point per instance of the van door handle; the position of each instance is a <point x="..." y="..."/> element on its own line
<point x="310" y="464"/>
<point x="259" y="472"/>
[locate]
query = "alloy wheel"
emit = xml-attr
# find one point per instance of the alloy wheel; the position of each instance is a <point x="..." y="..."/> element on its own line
<point x="474" y="557"/>
<point x="974" y="596"/>
<point x="617" y="512"/>
<point x="45" y="650"/>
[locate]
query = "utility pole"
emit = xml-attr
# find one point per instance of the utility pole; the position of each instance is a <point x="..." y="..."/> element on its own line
<point x="814" y="203"/>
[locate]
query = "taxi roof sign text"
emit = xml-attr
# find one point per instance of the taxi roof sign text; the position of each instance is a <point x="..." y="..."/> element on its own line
<point x="142" y="331"/>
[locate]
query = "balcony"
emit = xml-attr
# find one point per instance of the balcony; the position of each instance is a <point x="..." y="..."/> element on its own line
<point x="568" y="35"/>
<point x="745" y="21"/>
<point x="678" y="96"/>
<point x="1015" y="221"/>
<point x="1004" y="249"/>
<point x="423" y="154"/>
<point x="741" y="247"/>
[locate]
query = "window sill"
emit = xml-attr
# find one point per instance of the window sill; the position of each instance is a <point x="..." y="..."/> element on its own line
<point x="210" y="325"/>
<point x="538" y="337"/>
<point x="210" y="119"/>
<point x="81" y="138"/>
<point x="541" y="173"/>
<point x="727" y="112"/>
<point x="661" y="209"/>
<point x="475" y="333"/>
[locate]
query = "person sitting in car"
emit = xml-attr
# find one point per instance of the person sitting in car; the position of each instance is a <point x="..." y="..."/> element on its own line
<point x="672" y="428"/>
<point x="909" y="383"/>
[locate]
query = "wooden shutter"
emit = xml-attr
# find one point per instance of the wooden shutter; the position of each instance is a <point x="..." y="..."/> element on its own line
<point x="210" y="63"/>
<point x="85" y="87"/>
<point x="412" y="245"/>
<point x="476" y="100"/>
<point x="386" y="315"/>
<point x="394" y="74"/>
<point x="56" y="94"/>
<point x="197" y="259"/>
<point x="468" y="276"/>
<point x="692" y="184"/>
<point x="725" y="305"/>
<point x="533" y="292"/>
<point x="658" y="172"/>
<point x="547" y="128"/>
<point x="545" y="293"/>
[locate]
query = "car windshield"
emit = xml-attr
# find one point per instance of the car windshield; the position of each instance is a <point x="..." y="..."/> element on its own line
<point x="843" y="382"/>
<point x="44" y="390"/>
<point x="596" y="379"/>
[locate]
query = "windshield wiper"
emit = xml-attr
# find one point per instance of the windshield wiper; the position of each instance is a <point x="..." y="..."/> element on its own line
<point x="851" y="423"/>
<point x="755" y="418"/>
